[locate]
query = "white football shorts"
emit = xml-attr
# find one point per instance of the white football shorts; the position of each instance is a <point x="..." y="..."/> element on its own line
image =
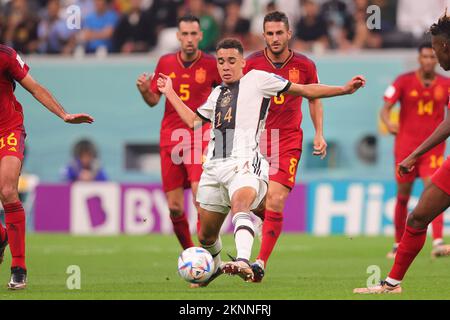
<point x="222" y="177"/>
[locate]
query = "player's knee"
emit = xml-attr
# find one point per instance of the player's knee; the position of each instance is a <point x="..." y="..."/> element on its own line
<point x="241" y="206"/>
<point x="275" y="201"/>
<point x="206" y="239"/>
<point x="175" y="212"/>
<point x="8" y="193"/>
<point x="175" y="208"/>
<point x="417" y="221"/>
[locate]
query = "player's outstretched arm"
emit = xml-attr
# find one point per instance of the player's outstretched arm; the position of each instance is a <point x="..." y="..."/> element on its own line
<point x="143" y="85"/>
<point x="439" y="135"/>
<point x="316" y="91"/>
<point x="186" y="114"/>
<point x="44" y="96"/>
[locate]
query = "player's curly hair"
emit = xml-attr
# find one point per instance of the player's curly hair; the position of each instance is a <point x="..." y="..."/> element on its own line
<point x="442" y="27"/>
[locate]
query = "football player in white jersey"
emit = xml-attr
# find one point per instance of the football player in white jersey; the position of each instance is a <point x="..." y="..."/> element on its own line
<point x="235" y="174"/>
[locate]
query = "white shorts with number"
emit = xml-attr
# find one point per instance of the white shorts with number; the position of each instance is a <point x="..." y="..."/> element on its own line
<point x="222" y="177"/>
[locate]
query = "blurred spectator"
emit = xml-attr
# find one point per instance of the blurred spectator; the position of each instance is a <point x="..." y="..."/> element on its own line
<point x="388" y="14"/>
<point x="340" y="24"/>
<point x="257" y="22"/>
<point x="135" y="31"/>
<point x="416" y="16"/>
<point x="311" y="30"/>
<point x="86" y="6"/>
<point x="54" y="36"/>
<point x="362" y="36"/>
<point x="254" y="8"/>
<point x="123" y="6"/>
<point x="348" y="29"/>
<point x="208" y="24"/>
<point x="99" y="27"/>
<point x="85" y="165"/>
<point x="2" y="22"/>
<point x="235" y="26"/>
<point x="167" y="12"/>
<point x="21" y="26"/>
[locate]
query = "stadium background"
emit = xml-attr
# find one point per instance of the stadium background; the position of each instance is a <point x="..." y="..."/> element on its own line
<point x="350" y="192"/>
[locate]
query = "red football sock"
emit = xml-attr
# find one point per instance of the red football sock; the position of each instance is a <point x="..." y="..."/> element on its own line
<point x="438" y="227"/>
<point x="181" y="229"/>
<point x="401" y="211"/>
<point x="15" y="226"/>
<point x="2" y="232"/>
<point x="411" y="244"/>
<point x="273" y="223"/>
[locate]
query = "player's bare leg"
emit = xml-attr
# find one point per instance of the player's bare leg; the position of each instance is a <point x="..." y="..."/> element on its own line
<point x="15" y="219"/>
<point x="175" y="201"/>
<point x="244" y="232"/>
<point x="194" y="188"/>
<point x="431" y="204"/>
<point x="404" y="190"/>
<point x="209" y="238"/>
<point x="272" y="225"/>
<point x="439" y="248"/>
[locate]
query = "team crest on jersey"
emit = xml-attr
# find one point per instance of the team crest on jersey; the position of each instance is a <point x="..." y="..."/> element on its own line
<point x="439" y="93"/>
<point x="414" y="93"/>
<point x="200" y="75"/>
<point x="226" y="100"/>
<point x="294" y="75"/>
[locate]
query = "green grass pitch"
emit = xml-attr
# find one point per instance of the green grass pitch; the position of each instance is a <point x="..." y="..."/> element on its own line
<point x="144" y="267"/>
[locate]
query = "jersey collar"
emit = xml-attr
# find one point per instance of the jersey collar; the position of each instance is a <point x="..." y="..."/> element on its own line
<point x="180" y="61"/>
<point x="421" y="82"/>
<point x="284" y="63"/>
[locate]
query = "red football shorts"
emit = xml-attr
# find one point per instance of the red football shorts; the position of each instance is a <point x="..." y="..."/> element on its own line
<point x="12" y="143"/>
<point x="442" y="177"/>
<point x="283" y="152"/>
<point x="425" y="166"/>
<point x="180" y="166"/>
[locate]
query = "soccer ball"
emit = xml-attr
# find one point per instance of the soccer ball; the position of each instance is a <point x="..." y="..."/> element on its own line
<point x="195" y="265"/>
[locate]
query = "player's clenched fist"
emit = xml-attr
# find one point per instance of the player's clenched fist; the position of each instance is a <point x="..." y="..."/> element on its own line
<point x="406" y="166"/>
<point x="354" y="84"/>
<point x="164" y="83"/>
<point x="320" y="146"/>
<point x="143" y="82"/>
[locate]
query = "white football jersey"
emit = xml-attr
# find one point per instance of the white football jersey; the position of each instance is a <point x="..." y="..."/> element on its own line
<point x="238" y="114"/>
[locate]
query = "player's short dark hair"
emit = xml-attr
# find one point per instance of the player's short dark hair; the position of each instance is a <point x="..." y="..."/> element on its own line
<point x="230" y="43"/>
<point x="188" y="18"/>
<point x="276" y="16"/>
<point x="442" y="27"/>
<point x="84" y="146"/>
<point x="425" y="45"/>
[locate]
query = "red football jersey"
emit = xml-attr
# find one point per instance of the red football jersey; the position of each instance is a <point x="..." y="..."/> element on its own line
<point x="285" y="111"/>
<point x="12" y="69"/>
<point x="422" y="108"/>
<point x="192" y="83"/>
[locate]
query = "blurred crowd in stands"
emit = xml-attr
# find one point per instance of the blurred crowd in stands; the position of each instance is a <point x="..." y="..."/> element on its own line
<point x="128" y="26"/>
